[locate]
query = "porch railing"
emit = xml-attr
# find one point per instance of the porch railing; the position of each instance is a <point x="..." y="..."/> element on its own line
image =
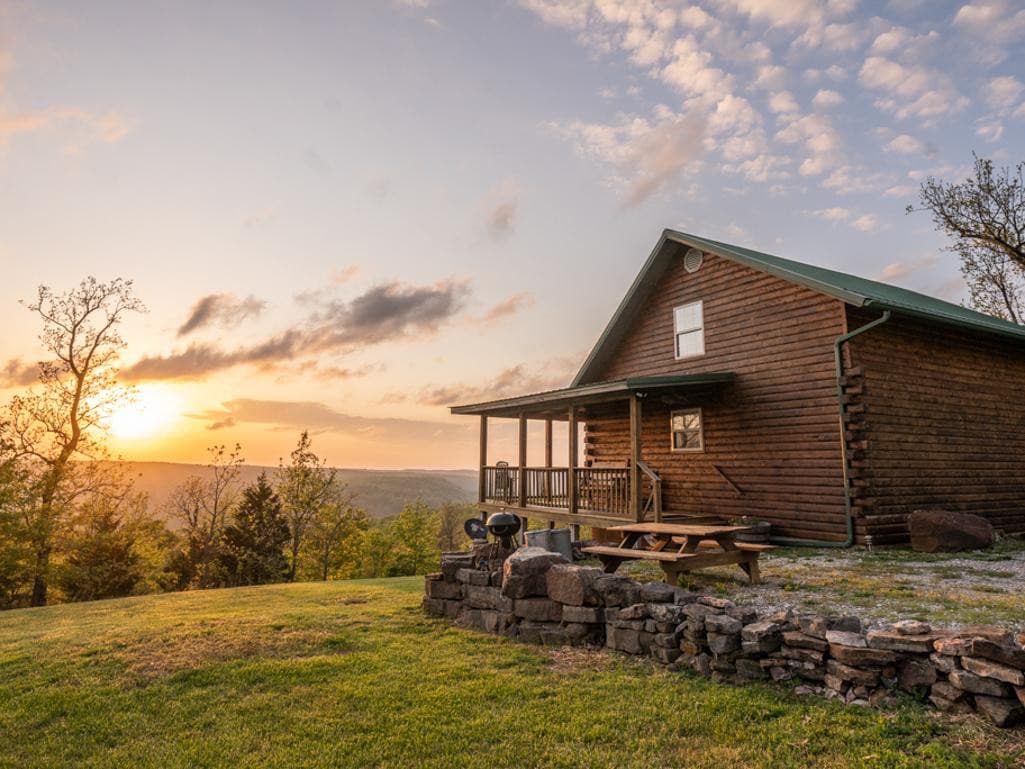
<point x="597" y="489"/>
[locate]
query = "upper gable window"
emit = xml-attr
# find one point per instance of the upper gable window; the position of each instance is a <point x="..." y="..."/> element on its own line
<point x="689" y="328"/>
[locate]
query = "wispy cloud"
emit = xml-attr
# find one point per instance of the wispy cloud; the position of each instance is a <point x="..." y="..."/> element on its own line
<point x="515" y="380"/>
<point x="382" y="313"/>
<point x="319" y="417"/>
<point x="19" y="373"/>
<point x="508" y="307"/>
<point x="225" y="310"/>
<point x="897" y="271"/>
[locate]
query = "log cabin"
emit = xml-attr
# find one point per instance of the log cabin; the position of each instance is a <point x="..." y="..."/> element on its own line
<point x="731" y="383"/>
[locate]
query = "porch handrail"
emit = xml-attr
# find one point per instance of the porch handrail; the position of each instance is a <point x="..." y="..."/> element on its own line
<point x="654" y="500"/>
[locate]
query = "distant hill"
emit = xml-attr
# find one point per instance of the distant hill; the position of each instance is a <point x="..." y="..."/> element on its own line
<point x="381" y="493"/>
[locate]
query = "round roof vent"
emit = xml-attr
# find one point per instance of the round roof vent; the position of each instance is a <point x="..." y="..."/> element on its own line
<point x="692" y="260"/>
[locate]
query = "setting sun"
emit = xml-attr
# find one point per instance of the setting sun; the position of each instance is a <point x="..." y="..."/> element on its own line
<point x="151" y="412"/>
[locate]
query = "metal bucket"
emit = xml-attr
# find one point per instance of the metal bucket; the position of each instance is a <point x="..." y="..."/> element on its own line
<point x="554" y="540"/>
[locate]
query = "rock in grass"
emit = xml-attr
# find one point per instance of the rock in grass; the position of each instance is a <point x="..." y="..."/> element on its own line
<point x="1002" y="711"/>
<point x="936" y="531"/>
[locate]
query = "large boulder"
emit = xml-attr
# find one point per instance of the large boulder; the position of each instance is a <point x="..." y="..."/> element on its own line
<point x="525" y="572"/>
<point x="936" y="531"/>
<point x="573" y="585"/>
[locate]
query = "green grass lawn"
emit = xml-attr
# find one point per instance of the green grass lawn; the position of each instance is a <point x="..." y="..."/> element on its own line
<point x="350" y="674"/>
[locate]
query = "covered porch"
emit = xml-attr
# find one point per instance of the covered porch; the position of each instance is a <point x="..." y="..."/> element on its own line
<point x="577" y="493"/>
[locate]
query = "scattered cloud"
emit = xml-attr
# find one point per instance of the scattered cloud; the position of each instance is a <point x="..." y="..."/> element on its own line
<point x="343" y="275"/>
<point x="904" y="144"/>
<point x="508" y="307"/>
<point x="865" y="222"/>
<point x="897" y="271"/>
<point x="502" y="218"/>
<point x="319" y="417"/>
<point x="996" y="21"/>
<point x="647" y="156"/>
<point x="834" y="214"/>
<point x="819" y="138"/>
<point x="1003" y="93"/>
<point x="19" y="373"/>
<point x="911" y="90"/>
<point x="226" y="310"/>
<point x="383" y="313"/>
<point x="825" y="98"/>
<point x="515" y="380"/>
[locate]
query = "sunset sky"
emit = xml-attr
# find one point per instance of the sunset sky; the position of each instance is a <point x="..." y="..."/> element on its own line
<point x="344" y="216"/>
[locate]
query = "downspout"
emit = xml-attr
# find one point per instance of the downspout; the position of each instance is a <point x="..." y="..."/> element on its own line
<point x="848" y="507"/>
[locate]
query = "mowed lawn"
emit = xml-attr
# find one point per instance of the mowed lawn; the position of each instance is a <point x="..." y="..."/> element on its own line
<point x="350" y="674"/>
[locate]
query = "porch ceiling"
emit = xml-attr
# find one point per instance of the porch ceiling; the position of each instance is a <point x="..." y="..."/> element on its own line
<point x="554" y="404"/>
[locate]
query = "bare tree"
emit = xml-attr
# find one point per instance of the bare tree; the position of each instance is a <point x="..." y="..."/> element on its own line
<point x="62" y="421"/>
<point x="984" y="216"/>
<point x="203" y="505"/>
<point x="995" y="282"/>
<point x="305" y="485"/>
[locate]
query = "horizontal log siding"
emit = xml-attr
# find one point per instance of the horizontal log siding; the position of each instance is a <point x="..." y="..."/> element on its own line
<point x="945" y="424"/>
<point x="774" y="432"/>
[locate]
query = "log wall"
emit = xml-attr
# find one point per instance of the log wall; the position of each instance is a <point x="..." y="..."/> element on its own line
<point x="774" y="433"/>
<point x="944" y="422"/>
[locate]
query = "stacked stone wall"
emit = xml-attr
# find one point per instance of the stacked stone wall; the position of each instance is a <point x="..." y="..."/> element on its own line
<point x="537" y="597"/>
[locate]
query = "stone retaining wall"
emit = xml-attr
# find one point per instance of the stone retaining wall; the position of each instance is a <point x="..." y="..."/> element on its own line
<point x="536" y="596"/>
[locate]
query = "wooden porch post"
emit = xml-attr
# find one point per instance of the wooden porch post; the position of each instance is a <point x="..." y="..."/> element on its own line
<point x="482" y="481"/>
<point x="548" y="465"/>
<point x="636" y="506"/>
<point x="571" y="464"/>
<point x="523" y="470"/>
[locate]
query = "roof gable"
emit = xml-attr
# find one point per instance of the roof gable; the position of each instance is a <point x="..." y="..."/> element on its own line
<point x="854" y="290"/>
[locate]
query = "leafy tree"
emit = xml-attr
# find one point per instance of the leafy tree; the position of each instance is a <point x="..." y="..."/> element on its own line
<point x="62" y="421"/>
<point x="984" y="216"/>
<point x="203" y="505"/>
<point x="414" y="534"/>
<point x="451" y="517"/>
<point x="377" y="553"/>
<point x="100" y="555"/>
<point x="15" y="551"/>
<point x="334" y="542"/>
<point x="305" y="485"/>
<point x="252" y="546"/>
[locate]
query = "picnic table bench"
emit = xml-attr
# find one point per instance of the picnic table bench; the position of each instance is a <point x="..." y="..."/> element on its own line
<point x="677" y="547"/>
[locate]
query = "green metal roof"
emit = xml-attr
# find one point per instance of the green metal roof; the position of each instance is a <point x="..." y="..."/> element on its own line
<point x="854" y="290"/>
<point x="591" y="393"/>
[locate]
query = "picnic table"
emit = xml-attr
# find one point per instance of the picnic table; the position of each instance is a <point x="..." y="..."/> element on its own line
<point x="681" y="547"/>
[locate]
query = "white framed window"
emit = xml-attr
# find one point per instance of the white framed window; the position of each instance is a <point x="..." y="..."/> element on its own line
<point x="689" y="330"/>
<point x="687" y="431"/>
